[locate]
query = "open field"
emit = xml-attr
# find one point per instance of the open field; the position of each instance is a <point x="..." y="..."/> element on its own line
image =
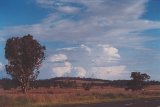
<point x="145" y="102"/>
<point x="43" y="97"/>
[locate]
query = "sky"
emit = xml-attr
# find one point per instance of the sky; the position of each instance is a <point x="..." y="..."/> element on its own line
<point x="104" y="39"/>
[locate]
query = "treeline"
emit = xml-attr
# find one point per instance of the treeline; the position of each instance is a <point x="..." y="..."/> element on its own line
<point x="69" y="82"/>
<point x="7" y="83"/>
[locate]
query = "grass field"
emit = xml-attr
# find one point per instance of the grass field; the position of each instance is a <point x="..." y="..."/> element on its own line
<point x="54" y="97"/>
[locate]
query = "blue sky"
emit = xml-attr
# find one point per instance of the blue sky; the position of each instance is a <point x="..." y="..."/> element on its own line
<point x="106" y="39"/>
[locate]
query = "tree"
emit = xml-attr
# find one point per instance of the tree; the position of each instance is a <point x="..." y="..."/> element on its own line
<point x="24" y="55"/>
<point x="137" y="76"/>
<point x="138" y="81"/>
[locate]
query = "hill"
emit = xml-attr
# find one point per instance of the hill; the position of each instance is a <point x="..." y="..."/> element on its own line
<point x="69" y="82"/>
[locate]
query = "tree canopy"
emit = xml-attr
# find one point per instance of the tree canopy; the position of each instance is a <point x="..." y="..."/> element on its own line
<point x="24" y="55"/>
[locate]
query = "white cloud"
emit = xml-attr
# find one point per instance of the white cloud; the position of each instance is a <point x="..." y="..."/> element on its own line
<point x="60" y="71"/>
<point x="58" y="58"/>
<point x="94" y="25"/>
<point x="112" y="72"/>
<point x="60" y="6"/>
<point x="105" y="55"/>
<point x="111" y="52"/>
<point x="68" y="9"/>
<point x="86" y="48"/>
<point x="79" y="72"/>
<point x="81" y="66"/>
<point x="67" y="49"/>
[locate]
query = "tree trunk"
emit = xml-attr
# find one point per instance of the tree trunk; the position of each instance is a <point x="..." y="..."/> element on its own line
<point x="25" y="87"/>
<point x="24" y="90"/>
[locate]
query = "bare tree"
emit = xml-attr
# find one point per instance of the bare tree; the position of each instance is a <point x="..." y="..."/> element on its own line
<point x="24" y="55"/>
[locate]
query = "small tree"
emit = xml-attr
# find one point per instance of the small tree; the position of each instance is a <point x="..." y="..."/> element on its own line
<point x="24" y="55"/>
<point x="138" y="81"/>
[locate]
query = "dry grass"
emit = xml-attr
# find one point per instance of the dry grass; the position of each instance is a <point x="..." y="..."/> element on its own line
<point x="57" y="96"/>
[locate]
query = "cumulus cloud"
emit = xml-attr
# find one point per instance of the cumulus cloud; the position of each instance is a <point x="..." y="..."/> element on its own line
<point x="58" y="58"/>
<point x="79" y="65"/>
<point x="105" y="55"/>
<point x="110" y="51"/>
<point x="75" y="64"/>
<point x="59" y="66"/>
<point x="79" y="72"/>
<point x="112" y="72"/>
<point x="60" y="71"/>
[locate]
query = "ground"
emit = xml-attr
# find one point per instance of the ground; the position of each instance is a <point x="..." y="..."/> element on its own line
<point x="51" y="97"/>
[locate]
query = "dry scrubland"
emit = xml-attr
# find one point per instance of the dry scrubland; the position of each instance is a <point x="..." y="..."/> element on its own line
<point x="54" y="97"/>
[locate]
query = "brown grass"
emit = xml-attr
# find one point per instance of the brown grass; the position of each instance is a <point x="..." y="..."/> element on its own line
<point x="56" y="96"/>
